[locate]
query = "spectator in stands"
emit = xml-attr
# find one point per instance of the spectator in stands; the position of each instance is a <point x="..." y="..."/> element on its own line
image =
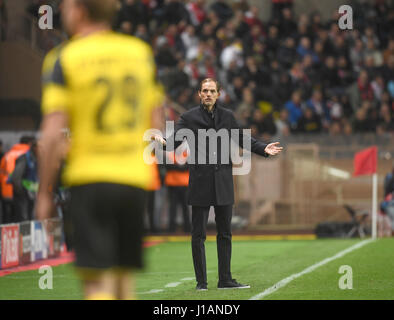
<point x="287" y="24"/>
<point x="232" y="53"/>
<point x="253" y="72"/>
<point x="190" y="42"/>
<point x="221" y="40"/>
<point x="264" y="124"/>
<point x="192" y="69"/>
<point x="222" y="10"/>
<point x="386" y="118"/>
<point x="176" y="80"/>
<point x="346" y="106"/>
<point x="370" y="67"/>
<point x="310" y="70"/>
<point x="253" y="39"/>
<point x="364" y="86"/>
<point x="252" y="18"/>
<point x="345" y="73"/>
<point x="174" y="12"/>
<point x="316" y="21"/>
<point x="388" y="70"/>
<point x="304" y="48"/>
<point x="356" y="55"/>
<point x="378" y="87"/>
<point x="240" y="26"/>
<point x="293" y="107"/>
<point x="275" y="71"/>
<point x="360" y="122"/>
<point x="142" y="33"/>
<point x="329" y="74"/>
<point x="335" y="128"/>
<point x="272" y="42"/>
<point x="278" y="6"/>
<point x="246" y="106"/>
<point x="298" y="77"/>
<point x="287" y="53"/>
<point x="283" y="90"/>
<point x="282" y="125"/>
<point x="135" y="12"/>
<point x="389" y="51"/>
<point x="237" y="85"/>
<point x="319" y="107"/>
<point x="347" y="127"/>
<point x="309" y="122"/>
<point x="335" y="108"/>
<point x="165" y="55"/>
<point x="196" y="11"/>
<point x="360" y="90"/>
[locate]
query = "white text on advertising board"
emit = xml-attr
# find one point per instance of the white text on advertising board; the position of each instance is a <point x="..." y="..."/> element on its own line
<point x="10" y="247"/>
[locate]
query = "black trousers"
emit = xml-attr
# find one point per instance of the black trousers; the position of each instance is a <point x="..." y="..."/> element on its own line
<point x="223" y="215"/>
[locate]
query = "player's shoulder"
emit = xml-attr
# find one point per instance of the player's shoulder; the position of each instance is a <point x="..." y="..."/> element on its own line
<point x="52" y="56"/>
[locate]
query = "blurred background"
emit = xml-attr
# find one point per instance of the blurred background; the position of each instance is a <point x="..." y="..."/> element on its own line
<point x="288" y="72"/>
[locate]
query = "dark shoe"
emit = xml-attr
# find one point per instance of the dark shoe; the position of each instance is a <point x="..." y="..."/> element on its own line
<point x="201" y="287"/>
<point x="232" y="284"/>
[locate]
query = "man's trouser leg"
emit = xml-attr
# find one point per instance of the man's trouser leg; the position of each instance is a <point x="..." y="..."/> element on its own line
<point x="223" y="215"/>
<point x="199" y="227"/>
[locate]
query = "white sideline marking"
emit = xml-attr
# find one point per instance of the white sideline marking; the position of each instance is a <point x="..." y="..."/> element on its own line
<point x="152" y="291"/>
<point x="188" y="279"/>
<point x="172" y="284"/>
<point x="285" y="281"/>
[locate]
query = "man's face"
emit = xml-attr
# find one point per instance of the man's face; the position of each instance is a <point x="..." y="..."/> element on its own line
<point x="208" y="94"/>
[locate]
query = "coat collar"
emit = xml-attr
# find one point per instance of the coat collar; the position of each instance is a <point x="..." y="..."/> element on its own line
<point x="206" y="110"/>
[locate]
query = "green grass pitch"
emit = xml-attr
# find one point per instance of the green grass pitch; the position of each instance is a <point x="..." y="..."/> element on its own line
<point x="261" y="263"/>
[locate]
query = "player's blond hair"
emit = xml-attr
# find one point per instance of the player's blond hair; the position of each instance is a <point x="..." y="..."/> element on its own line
<point x="100" y="10"/>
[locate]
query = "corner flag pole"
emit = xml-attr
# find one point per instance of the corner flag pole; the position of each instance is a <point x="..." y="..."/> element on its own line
<point x="374" y="204"/>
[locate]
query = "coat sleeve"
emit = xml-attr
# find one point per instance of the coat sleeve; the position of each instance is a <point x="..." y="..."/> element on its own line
<point x="181" y="124"/>
<point x="256" y="146"/>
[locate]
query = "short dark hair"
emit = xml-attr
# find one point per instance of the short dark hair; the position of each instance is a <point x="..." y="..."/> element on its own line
<point x="218" y="86"/>
<point x="27" y="139"/>
<point x="100" y="10"/>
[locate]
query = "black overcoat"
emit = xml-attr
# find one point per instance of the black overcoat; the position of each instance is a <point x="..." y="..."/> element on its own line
<point x="210" y="183"/>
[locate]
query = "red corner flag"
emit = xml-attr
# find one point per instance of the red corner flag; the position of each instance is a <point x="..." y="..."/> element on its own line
<point x="365" y="161"/>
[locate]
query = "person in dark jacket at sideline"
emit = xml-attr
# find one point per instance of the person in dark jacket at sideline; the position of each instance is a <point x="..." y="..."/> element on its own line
<point x="211" y="182"/>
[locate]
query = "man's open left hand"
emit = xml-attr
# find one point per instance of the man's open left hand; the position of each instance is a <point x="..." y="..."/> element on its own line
<point x="273" y="148"/>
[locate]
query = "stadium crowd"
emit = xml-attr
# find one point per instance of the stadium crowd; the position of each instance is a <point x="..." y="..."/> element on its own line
<point x="288" y="75"/>
<point x="291" y="74"/>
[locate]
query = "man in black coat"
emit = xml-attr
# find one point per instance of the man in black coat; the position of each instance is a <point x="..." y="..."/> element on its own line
<point x="211" y="181"/>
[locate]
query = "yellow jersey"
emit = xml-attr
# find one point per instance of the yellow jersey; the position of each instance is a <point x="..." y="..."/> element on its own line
<point x="105" y="83"/>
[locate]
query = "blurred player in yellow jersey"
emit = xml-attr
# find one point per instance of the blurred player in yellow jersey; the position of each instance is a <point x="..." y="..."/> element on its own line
<point x="101" y="85"/>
